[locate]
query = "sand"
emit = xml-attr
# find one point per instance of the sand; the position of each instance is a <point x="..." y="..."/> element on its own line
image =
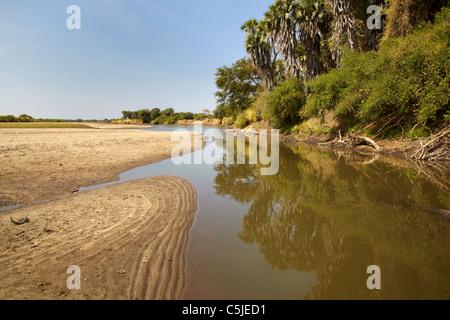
<point x="42" y="164"/>
<point x="128" y="240"/>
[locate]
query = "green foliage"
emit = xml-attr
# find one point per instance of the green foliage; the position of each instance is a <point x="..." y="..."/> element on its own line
<point x="41" y="125"/>
<point x="145" y="116"/>
<point x="403" y="16"/>
<point x="171" y="120"/>
<point x="127" y="115"/>
<point x="185" y="116"/>
<point x="168" y="112"/>
<point x="238" y="86"/>
<point x="284" y="103"/>
<point x="200" y="116"/>
<point x="160" y="120"/>
<point x="241" y="121"/>
<point x="408" y="77"/>
<point x="21" y="118"/>
<point x="155" y="113"/>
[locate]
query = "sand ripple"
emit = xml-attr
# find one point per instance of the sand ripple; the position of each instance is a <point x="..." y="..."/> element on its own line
<point x="129" y="241"/>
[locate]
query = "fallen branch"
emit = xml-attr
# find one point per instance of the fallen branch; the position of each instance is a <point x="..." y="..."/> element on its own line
<point x="352" y="141"/>
<point x="443" y="213"/>
<point x="435" y="147"/>
<point x="20" y="222"/>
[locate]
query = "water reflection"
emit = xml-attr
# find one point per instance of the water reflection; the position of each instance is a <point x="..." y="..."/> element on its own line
<point x="336" y="214"/>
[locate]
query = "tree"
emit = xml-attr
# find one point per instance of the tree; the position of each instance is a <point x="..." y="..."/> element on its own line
<point x="127" y="115"/>
<point x="281" y="23"/>
<point x="155" y="113"/>
<point x="238" y="85"/>
<point x="345" y="27"/>
<point x="260" y="45"/>
<point x="145" y="116"/>
<point x="135" y="115"/>
<point x="168" y="112"/>
<point x="312" y="20"/>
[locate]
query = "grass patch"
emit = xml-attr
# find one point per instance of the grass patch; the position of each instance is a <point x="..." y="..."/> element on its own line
<point x="40" y="125"/>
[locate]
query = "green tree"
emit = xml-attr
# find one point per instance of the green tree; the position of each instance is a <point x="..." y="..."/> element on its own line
<point x="168" y="112"/>
<point x="145" y="115"/>
<point x="403" y="84"/>
<point x="127" y="115"/>
<point x="238" y="86"/>
<point x="260" y="45"/>
<point x="281" y="22"/>
<point x="155" y="113"/>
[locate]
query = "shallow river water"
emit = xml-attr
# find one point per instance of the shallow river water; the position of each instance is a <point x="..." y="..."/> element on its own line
<point x="312" y="230"/>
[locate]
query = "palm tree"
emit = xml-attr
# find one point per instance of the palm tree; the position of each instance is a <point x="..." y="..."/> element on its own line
<point x="261" y="48"/>
<point x="346" y="27"/>
<point x="311" y="20"/>
<point x="281" y="22"/>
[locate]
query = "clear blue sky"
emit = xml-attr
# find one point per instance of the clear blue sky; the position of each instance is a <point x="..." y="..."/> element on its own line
<point x="129" y="54"/>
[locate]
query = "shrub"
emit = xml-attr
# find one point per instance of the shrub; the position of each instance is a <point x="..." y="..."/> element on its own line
<point x="160" y="120"/>
<point x="250" y="115"/>
<point x="260" y="104"/>
<point x="407" y="79"/>
<point x="171" y="120"/>
<point x="284" y="103"/>
<point x="241" y="120"/>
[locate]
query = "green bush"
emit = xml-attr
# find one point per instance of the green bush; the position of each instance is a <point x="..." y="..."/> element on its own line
<point x="407" y="78"/>
<point x="241" y="121"/>
<point x="160" y="120"/>
<point x="284" y="103"/>
<point x="171" y="120"/>
<point x="10" y="118"/>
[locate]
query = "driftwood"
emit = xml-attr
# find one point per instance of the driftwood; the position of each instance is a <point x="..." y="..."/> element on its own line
<point x="443" y="213"/>
<point x="352" y="141"/>
<point x="435" y="147"/>
<point x="20" y="222"/>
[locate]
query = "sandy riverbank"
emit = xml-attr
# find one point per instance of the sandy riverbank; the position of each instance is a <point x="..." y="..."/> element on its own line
<point x="41" y="164"/>
<point x="128" y="240"/>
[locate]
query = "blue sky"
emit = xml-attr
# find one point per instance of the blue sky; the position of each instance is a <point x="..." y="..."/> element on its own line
<point x="128" y="55"/>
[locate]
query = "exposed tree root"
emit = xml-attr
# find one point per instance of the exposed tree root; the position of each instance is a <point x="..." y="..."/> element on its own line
<point x="351" y="142"/>
<point x="434" y="148"/>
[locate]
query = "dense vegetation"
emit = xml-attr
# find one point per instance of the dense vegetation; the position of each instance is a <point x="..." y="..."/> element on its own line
<point x="24" y="118"/>
<point x="166" y="116"/>
<point x="310" y="57"/>
<point x="21" y="118"/>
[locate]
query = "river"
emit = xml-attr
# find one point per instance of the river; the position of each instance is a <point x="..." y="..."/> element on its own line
<point x="312" y="230"/>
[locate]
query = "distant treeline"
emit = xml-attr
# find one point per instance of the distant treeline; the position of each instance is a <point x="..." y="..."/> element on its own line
<point x="27" y="118"/>
<point x="21" y="118"/>
<point x="167" y="116"/>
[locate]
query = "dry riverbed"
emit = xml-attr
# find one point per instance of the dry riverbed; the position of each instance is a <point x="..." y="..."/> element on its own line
<point x="128" y="239"/>
<point x="42" y="164"/>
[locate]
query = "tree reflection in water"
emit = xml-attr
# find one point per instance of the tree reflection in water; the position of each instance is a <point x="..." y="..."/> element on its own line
<point x="337" y="214"/>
